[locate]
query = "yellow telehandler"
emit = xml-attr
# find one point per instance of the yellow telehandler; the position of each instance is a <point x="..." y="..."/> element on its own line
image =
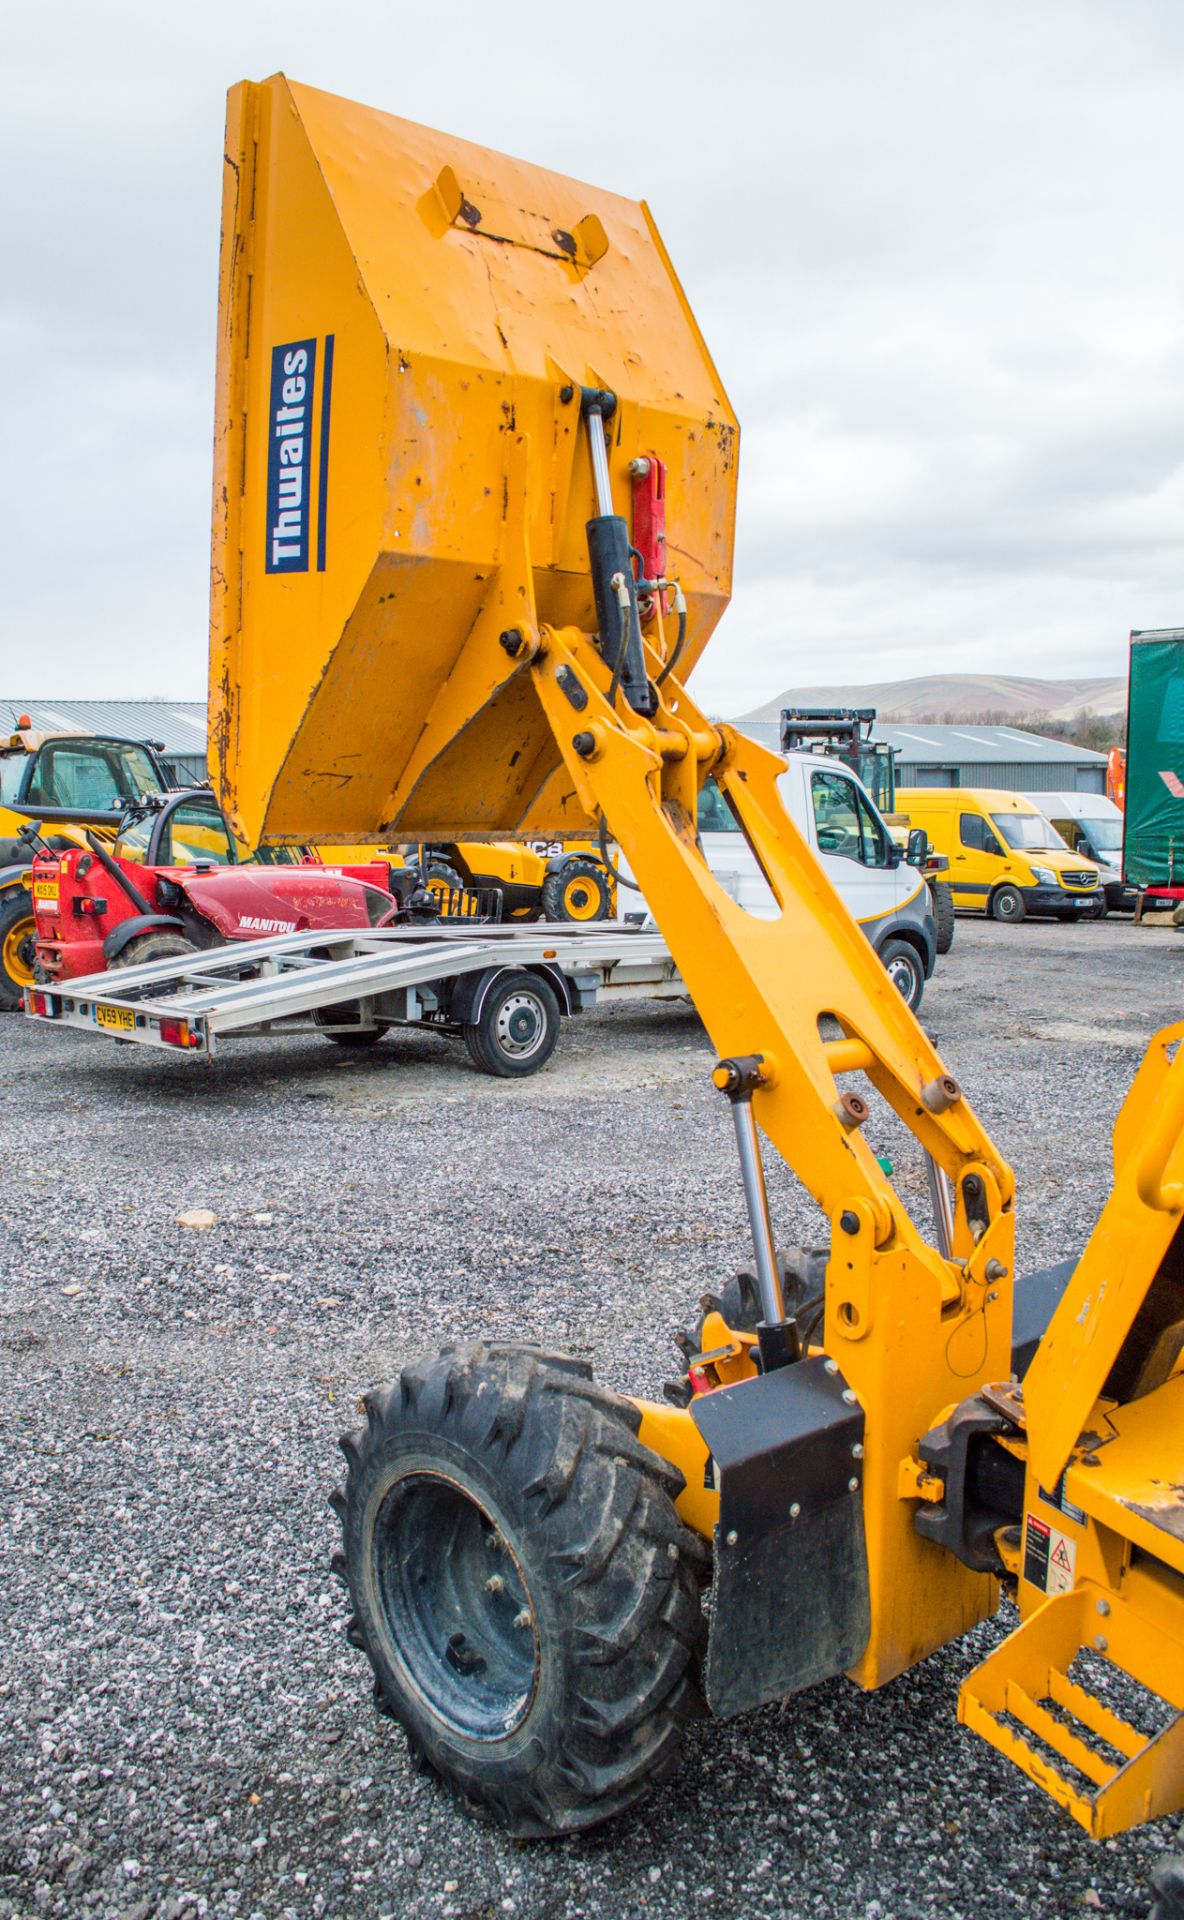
<point x="448" y="384"/>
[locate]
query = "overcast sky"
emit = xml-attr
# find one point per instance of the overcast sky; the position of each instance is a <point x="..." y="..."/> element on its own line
<point x="935" y="248"/>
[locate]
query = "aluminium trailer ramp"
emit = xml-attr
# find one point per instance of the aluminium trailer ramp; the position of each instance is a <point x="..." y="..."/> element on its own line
<point x="296" y="983"/>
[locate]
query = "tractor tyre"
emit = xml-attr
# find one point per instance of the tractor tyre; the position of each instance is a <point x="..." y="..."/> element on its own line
<point x="442" y="879"/>
<point x="18" y="946"/>
<point x="522" y="1585"/>
<point x="902" y="963"/>
<point x="154" y="946"/>
<point x="579" y="891"/>
<point x="942" y="897"/>
<point x="1007" y="904"/>
<point x="515" y="1032"/>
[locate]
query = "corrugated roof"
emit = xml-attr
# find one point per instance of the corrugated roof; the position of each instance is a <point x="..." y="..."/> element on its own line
<point x="919" y="743"/>
<point x="179" y="724"/>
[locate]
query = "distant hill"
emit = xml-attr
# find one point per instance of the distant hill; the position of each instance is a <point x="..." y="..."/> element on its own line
<point x="961" y="696"/>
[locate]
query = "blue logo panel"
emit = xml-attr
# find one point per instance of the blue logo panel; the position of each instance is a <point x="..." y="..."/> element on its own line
<point x="289" y="456"/>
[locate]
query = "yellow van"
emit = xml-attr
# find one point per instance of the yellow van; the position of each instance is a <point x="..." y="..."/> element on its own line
<point x="1005" y="858"/>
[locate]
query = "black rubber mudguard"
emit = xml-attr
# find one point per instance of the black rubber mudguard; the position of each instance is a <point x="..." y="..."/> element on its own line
<point x="792" y="1605"/>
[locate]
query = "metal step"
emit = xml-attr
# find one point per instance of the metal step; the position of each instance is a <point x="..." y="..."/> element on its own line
<point x="1023" y="1701"/>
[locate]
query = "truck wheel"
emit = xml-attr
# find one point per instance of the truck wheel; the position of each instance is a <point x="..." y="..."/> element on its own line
<point x="442" y="880"/>
<point x="943" y="913"/>
<point x="516" y="1030"/>
<point x="578" y="890"/>
<point x="154" y="946"/>
<point x="18" y="946"/>
<point x="902" y="964"/>
<point x="521" y="1585"/>
<point x="1007" y="903"/>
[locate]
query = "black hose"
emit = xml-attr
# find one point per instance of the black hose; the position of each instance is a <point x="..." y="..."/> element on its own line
<point x="678" y="647"/>
<point x="621" y="651"/>
<point x="618" y="876"/>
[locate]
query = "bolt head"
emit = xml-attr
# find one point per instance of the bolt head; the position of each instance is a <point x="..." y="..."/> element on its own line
<point x="795" y="1511"/>
<point x="849" y="1398"/>
<point x="732" y="1537"/>
<point x="853" y="1484"/>
<point x="1103" y="1607"/>
<point x="830" y="1366"/>
<point x="1100" y="1642"/>
<point x="857" y="1450"/>
<point x="849" y="1220"/>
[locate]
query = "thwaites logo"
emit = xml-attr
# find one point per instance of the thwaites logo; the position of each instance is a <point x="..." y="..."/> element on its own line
<point x="291" y="456"/>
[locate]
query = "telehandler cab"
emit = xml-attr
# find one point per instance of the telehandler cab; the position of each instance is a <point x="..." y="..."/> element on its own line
<point x="70" y="783"/>
<point x="450" y="388"/>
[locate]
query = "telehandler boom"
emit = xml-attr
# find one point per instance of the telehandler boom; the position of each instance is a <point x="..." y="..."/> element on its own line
<point x="451" y="388"/>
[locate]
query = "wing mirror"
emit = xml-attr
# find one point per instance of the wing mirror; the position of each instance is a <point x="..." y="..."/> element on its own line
<point x="917" y="850"/>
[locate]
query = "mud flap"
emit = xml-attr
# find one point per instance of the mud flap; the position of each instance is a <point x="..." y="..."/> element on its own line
<point x="791" y="1585"/>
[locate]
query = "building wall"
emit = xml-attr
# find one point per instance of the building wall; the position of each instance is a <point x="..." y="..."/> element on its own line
<point x="1013" y="776"/>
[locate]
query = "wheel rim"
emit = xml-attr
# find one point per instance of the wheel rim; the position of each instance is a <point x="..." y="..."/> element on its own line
<point x="457" y="1606"/>
<point x="521" y="1025"/>
<point x="902" y="977"/>
<point x="581" y="899"/>
<point x="1005" y="906"/>
<point x="20" y="951"/>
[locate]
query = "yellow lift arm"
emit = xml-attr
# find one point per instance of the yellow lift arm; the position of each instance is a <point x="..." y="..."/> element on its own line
<point x="442" y="376"/>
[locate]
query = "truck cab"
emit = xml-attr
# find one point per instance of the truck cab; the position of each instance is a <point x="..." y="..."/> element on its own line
<point x="881" y="889"/>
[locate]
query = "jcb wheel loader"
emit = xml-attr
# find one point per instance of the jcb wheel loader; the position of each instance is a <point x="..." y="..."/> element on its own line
<point x="443" y="609"/>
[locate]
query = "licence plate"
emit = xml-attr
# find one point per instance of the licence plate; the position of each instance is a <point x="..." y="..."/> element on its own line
<point x="119" y="1019"/>
<point x="45" y="889"/>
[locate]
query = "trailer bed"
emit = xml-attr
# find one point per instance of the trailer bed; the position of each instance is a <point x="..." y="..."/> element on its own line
<point x="306" y="982"/>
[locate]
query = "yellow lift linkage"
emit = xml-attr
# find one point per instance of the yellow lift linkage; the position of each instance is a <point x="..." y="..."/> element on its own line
<point x="443" y="377"/>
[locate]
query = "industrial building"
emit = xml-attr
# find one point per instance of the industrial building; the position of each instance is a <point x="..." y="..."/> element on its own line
<point x="970" y="756"/>
<point x="176" y="727"/>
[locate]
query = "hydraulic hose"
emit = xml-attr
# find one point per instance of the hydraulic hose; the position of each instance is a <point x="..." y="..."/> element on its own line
<point x="680" y="607"/>
<point x="618" y="876"/>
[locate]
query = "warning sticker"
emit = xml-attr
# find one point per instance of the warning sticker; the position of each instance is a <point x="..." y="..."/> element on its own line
<point x="1050" y="1556"/>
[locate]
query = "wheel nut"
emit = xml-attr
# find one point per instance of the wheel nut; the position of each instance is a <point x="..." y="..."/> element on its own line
<point x="522" y="1619"/>
<point x="494" y="1584"/>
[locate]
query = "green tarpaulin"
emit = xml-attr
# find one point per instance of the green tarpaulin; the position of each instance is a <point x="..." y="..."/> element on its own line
<point x="1153" y="846"/>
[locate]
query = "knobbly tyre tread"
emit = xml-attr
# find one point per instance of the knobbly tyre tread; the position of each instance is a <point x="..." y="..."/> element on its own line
<point x="942" y="896"/>
<point x="555" y="886"/>
<point x="594" y="1519"/>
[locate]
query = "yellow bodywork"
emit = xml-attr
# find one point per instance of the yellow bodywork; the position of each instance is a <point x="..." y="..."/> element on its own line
<point x="463" y="294"/>
<point x="423" y="667"/>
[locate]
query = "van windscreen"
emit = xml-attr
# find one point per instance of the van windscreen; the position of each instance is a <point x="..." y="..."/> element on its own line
<point x="1028" y="832"/>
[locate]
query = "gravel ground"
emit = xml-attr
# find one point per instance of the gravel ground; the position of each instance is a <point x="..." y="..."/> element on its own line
<point x="183" y="1729"/>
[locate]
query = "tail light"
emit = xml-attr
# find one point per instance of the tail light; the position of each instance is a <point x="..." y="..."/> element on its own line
<point x="43" y="1004"/>
<point x="175" y="1032"/>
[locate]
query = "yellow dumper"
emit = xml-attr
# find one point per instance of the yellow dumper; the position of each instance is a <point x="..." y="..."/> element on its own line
<point x="454" y="390"/>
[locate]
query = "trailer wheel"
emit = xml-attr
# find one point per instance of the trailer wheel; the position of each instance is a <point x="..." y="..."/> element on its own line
<point x="578" y="890"/>
<point x="1096" y="909"/>
<point x="515" y="1032"/>
<point x="522" y="1585"/>
<point x="1007" y="904"/>
<point x="18" y="946"/>
<point x="943" y="913"/>
<point x="154" y="946"/>
<point x="902" y="964"/>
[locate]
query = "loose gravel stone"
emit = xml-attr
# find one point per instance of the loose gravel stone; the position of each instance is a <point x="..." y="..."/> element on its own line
<point x="183" y="1730"/>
